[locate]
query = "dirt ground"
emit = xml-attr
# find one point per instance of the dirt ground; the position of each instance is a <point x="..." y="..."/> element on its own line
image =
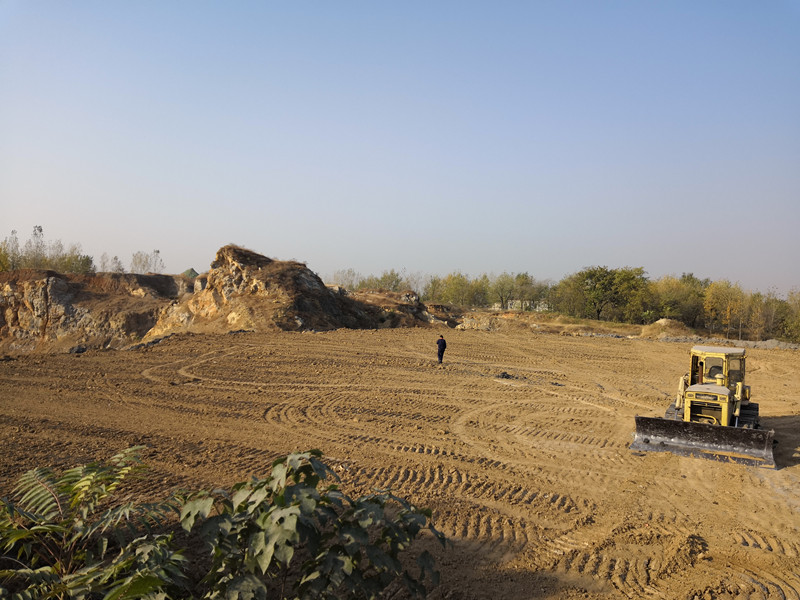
<point x="519" y="443"/>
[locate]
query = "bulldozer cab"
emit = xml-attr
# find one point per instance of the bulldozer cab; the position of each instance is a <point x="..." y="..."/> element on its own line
<point x="711" y="362"/>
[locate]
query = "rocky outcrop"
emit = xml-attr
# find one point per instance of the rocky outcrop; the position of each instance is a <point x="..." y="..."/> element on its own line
<point x="402" y="309"/>
<point x="243" y="290"/>
<point x="52" y="311"/>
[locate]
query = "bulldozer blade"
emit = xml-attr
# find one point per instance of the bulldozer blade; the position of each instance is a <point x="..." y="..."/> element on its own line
<point x="727" y="444"/>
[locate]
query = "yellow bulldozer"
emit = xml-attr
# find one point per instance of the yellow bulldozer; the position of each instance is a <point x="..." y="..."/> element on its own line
<point x="712" y="416"/>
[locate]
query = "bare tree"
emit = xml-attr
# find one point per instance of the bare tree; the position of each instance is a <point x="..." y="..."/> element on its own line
<point x="347" y="278"/>
<point x="111" y="265"/>
<point x="34" y="251"/>
<point x="142" y="262"/>
<point x="10" y="255"/>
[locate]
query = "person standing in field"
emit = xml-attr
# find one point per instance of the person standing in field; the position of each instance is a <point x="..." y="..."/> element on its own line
<point x="442" y="345"/>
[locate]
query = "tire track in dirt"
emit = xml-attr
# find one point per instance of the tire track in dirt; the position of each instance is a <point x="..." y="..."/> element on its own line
<point x="149" y="372"/>
<point x="185" y="456"/>
<point x="501" y="515"/>
<point x="434" y="480"/>
<point x="188" y="399"/>
<point x="334" y="417"/>
<point x="761" y="583"/>
<point x="340" y="410"/>
<point x="493" y="537"/>
<point x="637" y="561"/>
<point x="631" y="576"/>
<point x="769" y="543"/>
<point x="519" y="442"/>
<point x="498" y="534"/>
<point x="528" y="472"/>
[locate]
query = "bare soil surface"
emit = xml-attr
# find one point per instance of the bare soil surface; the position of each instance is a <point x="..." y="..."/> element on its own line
<point x="519" y="444"/>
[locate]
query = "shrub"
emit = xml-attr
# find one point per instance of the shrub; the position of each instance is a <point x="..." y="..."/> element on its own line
<point x="69" y="536"/>
<point x="65" y="538"/>
<point x="349" y="547"/>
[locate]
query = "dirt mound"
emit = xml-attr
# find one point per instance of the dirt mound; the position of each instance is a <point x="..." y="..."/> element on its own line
<point x="664" y="328"/>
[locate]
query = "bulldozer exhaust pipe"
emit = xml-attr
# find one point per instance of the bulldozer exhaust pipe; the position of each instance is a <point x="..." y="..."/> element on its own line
<point x="726" y="444"/>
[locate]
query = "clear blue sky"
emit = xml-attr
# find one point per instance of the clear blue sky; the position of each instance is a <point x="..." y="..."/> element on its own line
<point x="535" y="136"/>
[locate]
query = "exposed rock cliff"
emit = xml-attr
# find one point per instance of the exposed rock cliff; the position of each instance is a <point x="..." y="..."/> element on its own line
<point x="245" y="290"/>
<point x="44" y="310"/>
<point x="50" y="311"/>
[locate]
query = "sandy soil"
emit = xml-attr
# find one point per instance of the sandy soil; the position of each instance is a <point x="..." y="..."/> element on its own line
<point x="528" y="474"/>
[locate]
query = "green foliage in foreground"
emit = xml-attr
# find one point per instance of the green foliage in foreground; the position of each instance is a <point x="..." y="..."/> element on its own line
<point x="65" y="537"/>
<point x="349" y="548"/>
<point x="286" y="536"/>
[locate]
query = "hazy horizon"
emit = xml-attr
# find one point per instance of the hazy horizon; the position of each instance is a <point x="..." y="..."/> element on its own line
<point x="512" y="136"/>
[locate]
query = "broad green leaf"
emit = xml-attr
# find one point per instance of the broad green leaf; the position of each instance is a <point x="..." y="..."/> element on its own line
<point x="246" y="587"/>
<point x="240" y="496"/>
<point x="284" y="552"/>
<point x="294" y="461"/>
<point x="191" y="510"/>
<point x="257" y="556"/>
<point x="353" y="537"/>
<point x="258" y="527"/>
<point x="311" y="576"/>
<point x="308" y="503"/>
<point x="259" y="495"/>
<point x="368" y="513"/>
<point x="382" y="561"/>
<point x="278" y="477"/>
<point x="136" y="587"/>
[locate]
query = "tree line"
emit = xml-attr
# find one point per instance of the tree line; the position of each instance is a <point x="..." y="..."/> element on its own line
<point x="624" y="295"/>
<point x="37" y="253"/>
